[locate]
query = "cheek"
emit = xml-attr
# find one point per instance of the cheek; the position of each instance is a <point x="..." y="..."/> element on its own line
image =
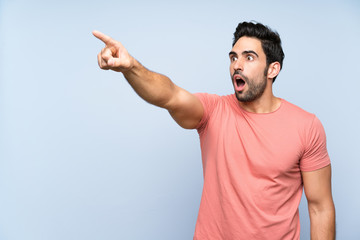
<point x="258" y="71"/>
<point x="231" y="68"/>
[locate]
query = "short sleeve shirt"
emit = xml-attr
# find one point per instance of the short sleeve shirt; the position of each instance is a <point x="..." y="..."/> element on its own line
<point x="252" y="167"/>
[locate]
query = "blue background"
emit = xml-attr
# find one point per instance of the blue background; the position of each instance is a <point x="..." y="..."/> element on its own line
<point x="83" y="157"/>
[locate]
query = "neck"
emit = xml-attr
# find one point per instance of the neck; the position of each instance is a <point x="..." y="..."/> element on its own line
<point x="267" y="103"/>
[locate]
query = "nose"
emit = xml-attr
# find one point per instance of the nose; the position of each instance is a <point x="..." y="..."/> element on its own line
<point x="238" y="65"/>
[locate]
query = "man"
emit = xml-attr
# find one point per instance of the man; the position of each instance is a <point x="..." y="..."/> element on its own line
<point x="258" y="150"/>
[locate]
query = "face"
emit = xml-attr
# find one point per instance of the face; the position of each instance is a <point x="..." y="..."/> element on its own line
<point x="248" y="69"/>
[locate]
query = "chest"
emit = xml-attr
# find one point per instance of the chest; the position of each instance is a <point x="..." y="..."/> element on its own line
<point x="264" y="146"/>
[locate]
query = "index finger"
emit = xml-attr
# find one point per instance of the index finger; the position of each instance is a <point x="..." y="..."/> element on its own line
<point x="99" y="35"/>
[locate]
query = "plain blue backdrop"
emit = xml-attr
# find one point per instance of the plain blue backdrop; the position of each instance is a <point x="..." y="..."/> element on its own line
<point x="83" y="157"/>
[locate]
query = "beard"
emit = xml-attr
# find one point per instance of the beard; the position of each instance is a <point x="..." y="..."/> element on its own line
<point x="254" y="91"/>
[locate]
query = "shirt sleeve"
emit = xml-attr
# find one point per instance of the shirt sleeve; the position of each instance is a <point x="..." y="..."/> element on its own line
<point x="209" y="102"/>
<point x="315" y="153"/>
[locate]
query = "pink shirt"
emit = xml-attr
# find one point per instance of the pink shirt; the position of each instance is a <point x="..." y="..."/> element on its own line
<point x="252" y="167"/>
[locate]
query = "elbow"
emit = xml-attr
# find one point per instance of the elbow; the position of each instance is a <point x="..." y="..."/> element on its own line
<point x="317" y="208"/>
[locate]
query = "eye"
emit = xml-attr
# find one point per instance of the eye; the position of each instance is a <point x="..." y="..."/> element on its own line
<point x="233" y="58"/>
<point x="249" y="57"/>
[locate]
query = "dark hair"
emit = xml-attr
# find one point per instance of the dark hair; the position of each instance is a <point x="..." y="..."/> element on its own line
<point x="270" y="40"/>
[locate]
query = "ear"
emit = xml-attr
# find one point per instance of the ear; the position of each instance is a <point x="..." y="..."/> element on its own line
<point x="273" y="70"/>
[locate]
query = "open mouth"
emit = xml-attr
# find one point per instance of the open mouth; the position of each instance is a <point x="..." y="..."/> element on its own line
<point x="239" y="83"/>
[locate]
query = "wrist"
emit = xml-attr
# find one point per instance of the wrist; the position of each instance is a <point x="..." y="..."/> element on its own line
<point x="133" y="65"/>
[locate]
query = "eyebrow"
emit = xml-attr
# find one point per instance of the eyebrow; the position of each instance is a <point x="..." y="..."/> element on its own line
<point x="244" y="53"/>
<point x="232" y="53"/>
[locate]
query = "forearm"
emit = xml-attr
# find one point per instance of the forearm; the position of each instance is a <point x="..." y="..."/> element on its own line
<point x="153" y="87"/>
<point x="322" y="223"/>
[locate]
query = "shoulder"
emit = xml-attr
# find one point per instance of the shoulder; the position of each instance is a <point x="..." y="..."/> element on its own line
<point x="309" y="124"/>
<point x="207" y="96"/>
<point x="297" y="113"/>
<point x="211" y="100"/>
<point x="214" y="106"/>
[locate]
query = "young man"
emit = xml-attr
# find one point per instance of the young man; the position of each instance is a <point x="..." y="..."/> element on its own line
<point x="258" y="150"/>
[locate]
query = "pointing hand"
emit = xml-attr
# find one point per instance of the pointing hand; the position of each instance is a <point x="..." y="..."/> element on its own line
<point x="113" y="56"/>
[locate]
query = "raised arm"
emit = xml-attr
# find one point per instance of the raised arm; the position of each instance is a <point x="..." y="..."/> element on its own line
<point x="317" y="186"/>
<point x="155" y="88"/>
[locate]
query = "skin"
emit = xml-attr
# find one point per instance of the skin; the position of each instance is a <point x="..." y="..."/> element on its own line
<point x="317" y="187"/>
<point x="248" y="59"/>
<point x="155" y="88"/>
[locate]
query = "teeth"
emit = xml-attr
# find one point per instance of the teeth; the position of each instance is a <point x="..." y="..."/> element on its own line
<point x="238" y="78"/>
